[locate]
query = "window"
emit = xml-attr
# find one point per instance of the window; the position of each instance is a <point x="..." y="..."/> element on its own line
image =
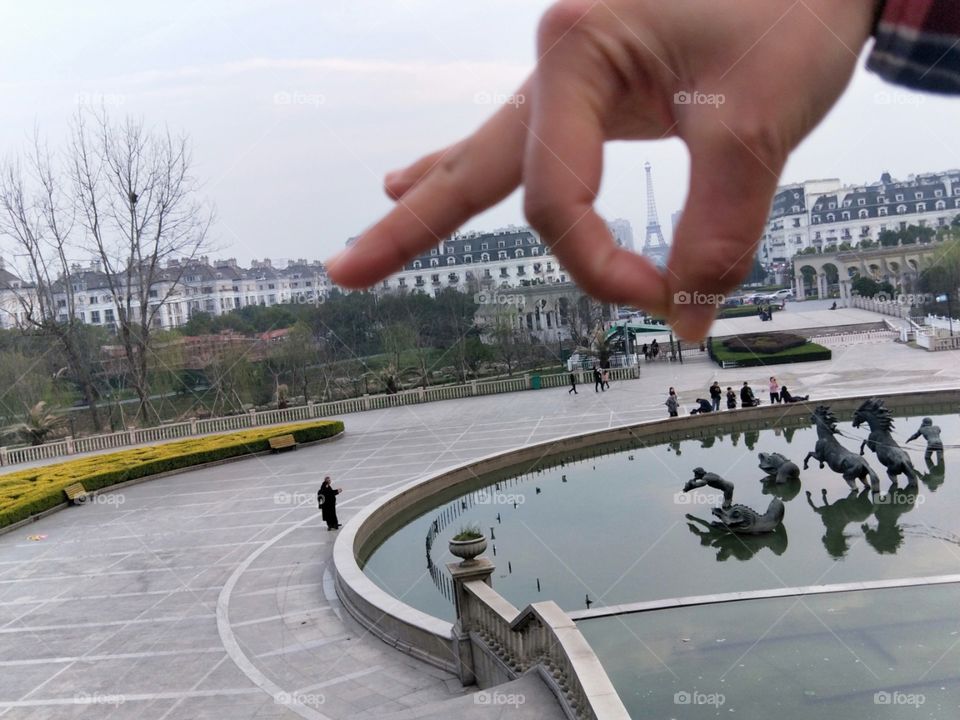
<point x="899" y="197"/>
<point x="863" y="214"/>
<point x="467" y="248"/>
<point x="417" y="264"/>
<point x="535" y="251"/>
<point x="830" y="216"/>
<point x="921" y="207"/>
<point x="433" y="251"/>
<point x="881" y="211"/>
<point x="270" y="286"/>
<point x="846" y="215"/>
<point x="435" y="279"/>
<point x="918" y="196"/>
<point x="486" y="273"/>
<point x="451" y="261"/>
<point x="502" y="255"/>
<point x="938" y="193"/>
<point x="485" y="257"/>
<point x="795" y="208"/>
<point x="518" y="243"/>
<point x="504" y="273"/>
<point x="832" y="206"/>
<point x="941" y="205"/>
<point x="449" y="249"/>
<point x="484" y="246"/>
<point x="796" y="222"/>
<point x="418" y="281"/>
<point x="95" y="317"/>
<point x="108" y="315"/>
<point x="882" y="199"/>
<point x="434" y="262"/>
<point x="93" y="299"/>
<point x="861" y="201"/>
<point x="518" y="253"/>
<point x="901" y="209"/>
<point x="521" y="270"/>
<point x="468" y="259"/>
<point x="501" y="243"/>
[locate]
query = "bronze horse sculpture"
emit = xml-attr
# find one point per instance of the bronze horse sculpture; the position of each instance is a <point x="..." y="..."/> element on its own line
<point x="889" y="453"/>
<point x="829" y="451"/>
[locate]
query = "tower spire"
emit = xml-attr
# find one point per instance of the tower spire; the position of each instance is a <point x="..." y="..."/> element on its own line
<point x="654" y="246"/>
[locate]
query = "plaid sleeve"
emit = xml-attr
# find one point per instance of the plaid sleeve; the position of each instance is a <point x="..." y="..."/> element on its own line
<point x="918" y="44"/>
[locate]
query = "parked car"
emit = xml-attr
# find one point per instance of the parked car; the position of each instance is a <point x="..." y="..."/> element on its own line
<point x="782" y="294"/>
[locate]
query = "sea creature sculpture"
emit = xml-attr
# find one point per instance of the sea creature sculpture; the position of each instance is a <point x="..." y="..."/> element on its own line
<point x="778" y="468"/>
<point x="743" y="520"/>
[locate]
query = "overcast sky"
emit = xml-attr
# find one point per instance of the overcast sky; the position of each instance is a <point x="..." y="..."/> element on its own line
<point x="297" y="109"/>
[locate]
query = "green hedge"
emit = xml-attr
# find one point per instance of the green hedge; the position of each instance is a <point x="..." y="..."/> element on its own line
<point x="32" y="491"/>
<point x="743" y="311"/>
<point x="808" y="352"/>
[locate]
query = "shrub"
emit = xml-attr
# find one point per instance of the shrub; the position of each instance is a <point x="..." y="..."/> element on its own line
<point x="806" y="352"/>
<point x="764" y="343"/>
<point x="29" y="492"/>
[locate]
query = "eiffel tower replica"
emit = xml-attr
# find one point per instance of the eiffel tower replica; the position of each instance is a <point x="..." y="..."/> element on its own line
<point x="654" y="246"/>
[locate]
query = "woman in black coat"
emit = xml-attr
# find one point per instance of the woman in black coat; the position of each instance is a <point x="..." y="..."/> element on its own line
<point x="327" y="499"/>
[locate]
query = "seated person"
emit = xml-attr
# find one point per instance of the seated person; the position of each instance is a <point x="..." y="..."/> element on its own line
<point x="786" y="397"/>
<point x="703" y="406"/>
<point x="746" y="396"/>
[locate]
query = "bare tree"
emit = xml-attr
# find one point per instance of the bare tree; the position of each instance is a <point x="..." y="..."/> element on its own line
<point x="37" y="215"/>
<point x="136" y="200"/>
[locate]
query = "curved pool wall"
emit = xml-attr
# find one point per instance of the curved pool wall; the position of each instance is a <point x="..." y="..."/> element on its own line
<point x="431" y="639"/>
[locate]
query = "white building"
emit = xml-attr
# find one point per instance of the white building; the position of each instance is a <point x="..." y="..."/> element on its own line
<point x="508" y="257"/>
<point x="825" y="213"/>
<point x="12" y="289"/>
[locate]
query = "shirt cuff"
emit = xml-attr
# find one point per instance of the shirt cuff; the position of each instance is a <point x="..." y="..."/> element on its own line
<point x="918" y="45"/>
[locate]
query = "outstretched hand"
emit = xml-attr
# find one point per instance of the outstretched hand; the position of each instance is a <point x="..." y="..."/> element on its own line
<point x="741" y="83"/>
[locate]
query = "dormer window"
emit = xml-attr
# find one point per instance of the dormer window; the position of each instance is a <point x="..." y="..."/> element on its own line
<point x="451" y="261"/>
<point x="861" y="201"/>
<point x="901" y="209"/>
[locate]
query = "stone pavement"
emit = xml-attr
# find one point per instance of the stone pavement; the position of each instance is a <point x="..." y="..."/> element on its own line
<point x="209" y="595"/>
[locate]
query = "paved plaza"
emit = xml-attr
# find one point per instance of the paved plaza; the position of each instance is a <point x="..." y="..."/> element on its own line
<point x="209" y="594"/>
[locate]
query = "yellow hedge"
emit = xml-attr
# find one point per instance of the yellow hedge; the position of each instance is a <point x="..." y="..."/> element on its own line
<point x="31" y="491"/>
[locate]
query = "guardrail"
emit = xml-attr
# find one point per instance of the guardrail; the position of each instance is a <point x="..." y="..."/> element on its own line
<point x="310" y="411"/>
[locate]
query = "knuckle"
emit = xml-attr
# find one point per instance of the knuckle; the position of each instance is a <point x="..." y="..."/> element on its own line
<point x="560" y="18"/>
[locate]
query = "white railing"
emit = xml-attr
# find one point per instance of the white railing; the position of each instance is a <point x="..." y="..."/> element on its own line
<point x="890" y="307"/>
<point x="942" y="323"/>
<point x="543" y="635"/>
<point x="227" y="423"/>
<point x="856" y="338"/>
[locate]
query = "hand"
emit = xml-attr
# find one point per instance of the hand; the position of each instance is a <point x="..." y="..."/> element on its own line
<point x="615" y="71"/>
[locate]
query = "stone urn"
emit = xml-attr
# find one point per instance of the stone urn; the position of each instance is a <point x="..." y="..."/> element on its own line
<point x="468" y="550"/>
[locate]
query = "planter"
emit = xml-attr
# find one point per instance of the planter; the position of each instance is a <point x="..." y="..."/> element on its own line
<point x="468" y="550"/>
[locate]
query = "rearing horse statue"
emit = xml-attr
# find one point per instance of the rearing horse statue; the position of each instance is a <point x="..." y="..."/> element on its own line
<point x="889" y="453"/>
<point x="828" y="450"/>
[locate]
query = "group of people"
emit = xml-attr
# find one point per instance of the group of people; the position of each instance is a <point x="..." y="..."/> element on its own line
<point x="651" y="351"/>
<point x="601" y="380"/>
<point x="778" y="394"/>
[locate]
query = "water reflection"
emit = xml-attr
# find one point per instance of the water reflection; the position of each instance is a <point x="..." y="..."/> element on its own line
<point x="740" y="547"/>
<point x="854" y="508"/>
<point x="887" y="536"/>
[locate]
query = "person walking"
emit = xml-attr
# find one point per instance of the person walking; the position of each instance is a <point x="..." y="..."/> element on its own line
<point x="606" y="379"/>
<point x="327" y="500"/>
<point x="573" y="383"/>
<point x="731" y="399"/>
<point x="673" y="403"/>
<point x="646" y="351"/>
<point x="597" y="379"/>
<point x="716" y="393"/>
<point x="774" y="390"/>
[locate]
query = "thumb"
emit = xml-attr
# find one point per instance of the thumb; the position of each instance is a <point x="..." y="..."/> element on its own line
<point x="732" y="181"/>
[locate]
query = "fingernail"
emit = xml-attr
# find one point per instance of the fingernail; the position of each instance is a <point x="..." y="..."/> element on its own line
<point x="692" y="321"/>
<point x="392" y="177"/>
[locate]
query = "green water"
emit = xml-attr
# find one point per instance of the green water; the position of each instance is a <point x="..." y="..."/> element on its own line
<point x="872" y="655"/>
<point x="612" y="528"/>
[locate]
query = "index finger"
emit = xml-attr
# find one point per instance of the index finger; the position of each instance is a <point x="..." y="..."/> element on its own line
<point x="470" y="177"/>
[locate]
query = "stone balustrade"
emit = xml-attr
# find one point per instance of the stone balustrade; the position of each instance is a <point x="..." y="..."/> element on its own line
<point x="311" y="411"/>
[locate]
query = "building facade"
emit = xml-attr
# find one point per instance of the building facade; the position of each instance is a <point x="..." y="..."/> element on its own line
<point x="181" y="289"/>
<point x="827" y="215"/>
<point x="506" y="258"/>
